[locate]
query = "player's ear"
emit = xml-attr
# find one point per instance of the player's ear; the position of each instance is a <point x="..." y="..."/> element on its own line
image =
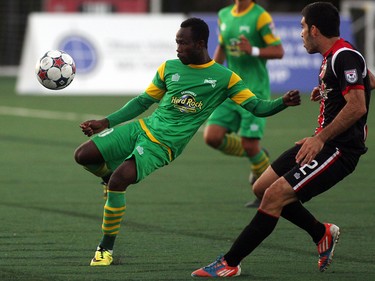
<point x="201" y="44"/>
<point x="314" y="31"/>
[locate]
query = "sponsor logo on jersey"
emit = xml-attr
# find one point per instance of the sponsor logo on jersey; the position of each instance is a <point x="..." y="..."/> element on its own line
<point x="244" y="28"/>
<point x="139" y="150"/>
<point x="233" y="48"/>
<point x="323" y="91"/>
<point x="254" y="127"/>
<point x="351" y="75"/>
<point x="273" y="28"/>
<point x="210" y="81"/>
<point x="175" y="77"/>
<point x="187" y="102"/>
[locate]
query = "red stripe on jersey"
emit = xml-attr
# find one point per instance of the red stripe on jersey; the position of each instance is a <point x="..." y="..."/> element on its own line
<point x="352" y="87"/>
<point x="320" y="117"/>
<point x="318" y="171"/>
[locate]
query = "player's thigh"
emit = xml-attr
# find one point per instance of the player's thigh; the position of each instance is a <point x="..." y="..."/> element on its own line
<point x="149" y="156"/>
<point x="328" y="168"/>
<point x="116" y="144"/>
<point x="88" y="153"/>
<point x="251" y="126"/>
<point x="226" y="115"/>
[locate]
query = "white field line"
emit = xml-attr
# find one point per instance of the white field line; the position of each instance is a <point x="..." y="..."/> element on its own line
<point x="52" y="115"/>
<point x="46" y="114"/>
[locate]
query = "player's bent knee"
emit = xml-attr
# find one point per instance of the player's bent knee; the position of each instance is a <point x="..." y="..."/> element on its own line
<point x="78" y="156"/>
<point x="274" y="193"/>
<point x="258" y="190"/>
<point x="213" y="141"/>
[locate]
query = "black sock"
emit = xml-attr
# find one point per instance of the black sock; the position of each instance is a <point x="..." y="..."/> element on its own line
<point x="259" y="228"/>
<point x="297" y="214"/>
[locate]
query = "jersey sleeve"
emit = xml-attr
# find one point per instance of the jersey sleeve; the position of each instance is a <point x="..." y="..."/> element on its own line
<point x="157" y="87"/>
<point x="219" y="37"/>
<point x="131" y="109"/>
<point x="350" y="69"/>
<point x="266" y="28"/>
<point x="237" y="89"/>
<point x="264" y="108"/>
<point x="243" y="96"/>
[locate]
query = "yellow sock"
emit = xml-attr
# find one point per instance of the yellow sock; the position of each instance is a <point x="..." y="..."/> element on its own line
<point x="114" y="211"/>
<point x="259" y="163"/>
<point x="232" y="145"/>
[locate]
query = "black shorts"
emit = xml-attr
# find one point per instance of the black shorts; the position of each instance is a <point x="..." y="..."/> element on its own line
<point x="329" y="167"/>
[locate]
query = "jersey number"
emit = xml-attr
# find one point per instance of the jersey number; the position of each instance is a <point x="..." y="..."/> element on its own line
<point x="310" y="166"/>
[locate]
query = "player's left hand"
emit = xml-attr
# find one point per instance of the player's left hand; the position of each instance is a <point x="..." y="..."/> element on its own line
<point x="292" y="98"/>
<point x="311" y="146"/>
<point x="315" y="94"/>
<point x="244" y="45"/>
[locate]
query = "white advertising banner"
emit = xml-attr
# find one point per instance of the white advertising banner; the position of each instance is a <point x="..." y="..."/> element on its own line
<point x="116" y="54"/>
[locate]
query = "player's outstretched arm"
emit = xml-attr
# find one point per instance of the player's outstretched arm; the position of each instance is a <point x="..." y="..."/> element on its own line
<point x="131" y="109"/>
<point x="264" y="108"/>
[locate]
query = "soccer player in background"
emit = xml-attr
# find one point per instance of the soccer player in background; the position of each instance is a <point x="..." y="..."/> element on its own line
<point x="246" y="40"/>
<point x="314" y="164"/>
<point x="187" y="89"/>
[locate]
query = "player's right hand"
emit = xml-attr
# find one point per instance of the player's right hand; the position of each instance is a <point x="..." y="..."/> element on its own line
<point x="92" y="127"/>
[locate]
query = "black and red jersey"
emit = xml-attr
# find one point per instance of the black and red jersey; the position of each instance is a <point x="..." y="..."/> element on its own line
<point x="343" y="68"/>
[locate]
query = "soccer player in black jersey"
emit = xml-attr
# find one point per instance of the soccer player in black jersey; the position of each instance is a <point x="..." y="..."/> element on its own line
<point x="314" y="164"/>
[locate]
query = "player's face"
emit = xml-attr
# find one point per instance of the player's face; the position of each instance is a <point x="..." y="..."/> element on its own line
<point x="187" y="50"/>
<point x="308" y="40"/>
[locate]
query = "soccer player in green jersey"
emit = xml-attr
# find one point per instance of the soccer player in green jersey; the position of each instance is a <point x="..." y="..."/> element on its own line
<point x="246" y="41"/>
<point x="187" y="90"/>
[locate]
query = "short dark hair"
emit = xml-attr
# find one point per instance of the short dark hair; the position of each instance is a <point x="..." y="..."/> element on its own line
<point x="199" y="28"/>
<point x="324" y="16"/>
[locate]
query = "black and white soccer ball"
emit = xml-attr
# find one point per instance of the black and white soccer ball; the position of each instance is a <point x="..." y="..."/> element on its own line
<point x="55" y="70"/>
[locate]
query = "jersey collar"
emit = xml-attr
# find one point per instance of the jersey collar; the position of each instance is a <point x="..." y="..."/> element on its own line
<point x="205" y="65"/>
<point x="339" y="41"/>
<point x="235" y="14"/>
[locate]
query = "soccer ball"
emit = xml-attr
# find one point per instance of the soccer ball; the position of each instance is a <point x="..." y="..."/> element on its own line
<point x="55" y="70"/>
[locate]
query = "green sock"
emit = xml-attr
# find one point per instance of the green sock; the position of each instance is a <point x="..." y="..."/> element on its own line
<point x="232" y="145"/>
<point x="114" y="210"/>
<point x="99" y="170"/>
<point x="259" y="163"/>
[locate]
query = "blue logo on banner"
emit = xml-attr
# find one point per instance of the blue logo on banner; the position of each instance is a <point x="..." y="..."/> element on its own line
<point x="82" y="51"/>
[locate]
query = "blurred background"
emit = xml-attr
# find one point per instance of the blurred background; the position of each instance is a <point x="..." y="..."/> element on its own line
<point x="358" y="27"/>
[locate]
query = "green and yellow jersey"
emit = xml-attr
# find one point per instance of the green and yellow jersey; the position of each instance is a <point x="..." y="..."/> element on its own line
<point x="187" y="95"/>
<point x="256" y="25"/>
